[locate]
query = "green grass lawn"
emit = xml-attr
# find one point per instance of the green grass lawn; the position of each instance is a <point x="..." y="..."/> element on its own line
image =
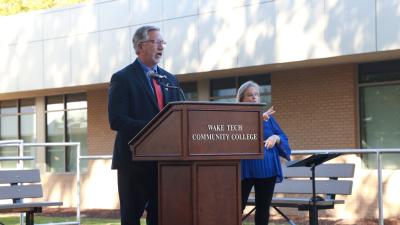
<point x="13" y="220"/>
<point x="84" y="221"/>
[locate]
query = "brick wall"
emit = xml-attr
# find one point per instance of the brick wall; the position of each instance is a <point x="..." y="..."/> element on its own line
<point x="100" y="136"/>
<point x="317" y="107"/>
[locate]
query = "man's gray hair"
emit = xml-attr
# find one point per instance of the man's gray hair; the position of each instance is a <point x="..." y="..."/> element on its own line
<point x="244" y="87"/>
<point x="141" y="35"/>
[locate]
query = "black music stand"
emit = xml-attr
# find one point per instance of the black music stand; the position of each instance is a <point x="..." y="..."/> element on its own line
<point x="312" y="162"/>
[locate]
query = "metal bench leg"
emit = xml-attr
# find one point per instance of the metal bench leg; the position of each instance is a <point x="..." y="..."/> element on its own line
<point x="29" y="218"/>
<point x="313" y="216"/>
<point x="284" y="216"/>
<point x="248" y="214"/>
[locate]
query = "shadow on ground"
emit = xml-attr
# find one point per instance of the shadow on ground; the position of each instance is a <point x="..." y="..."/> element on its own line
<point x="299" y="220"/>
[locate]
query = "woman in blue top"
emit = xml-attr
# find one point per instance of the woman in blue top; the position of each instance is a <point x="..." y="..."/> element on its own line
<point x="263" y="173"/>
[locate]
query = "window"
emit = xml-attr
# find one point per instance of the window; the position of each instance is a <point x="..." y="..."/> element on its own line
<point x="225" y="89"/>
<point x="190" y="90"/>
<point x="66" y="121"/>
<point x="379" y="86"/>
<point x="17" y="121"/>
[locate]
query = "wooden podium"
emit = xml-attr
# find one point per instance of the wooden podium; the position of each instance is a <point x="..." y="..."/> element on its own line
<point x="198" y="146"/>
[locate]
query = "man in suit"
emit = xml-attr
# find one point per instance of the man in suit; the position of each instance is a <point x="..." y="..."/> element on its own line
<point x="134" y="99"/>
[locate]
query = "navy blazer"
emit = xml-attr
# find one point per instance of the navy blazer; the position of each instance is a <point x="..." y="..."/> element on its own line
<point x="131" y="105"/>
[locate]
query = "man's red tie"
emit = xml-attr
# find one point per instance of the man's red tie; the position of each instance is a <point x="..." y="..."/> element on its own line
<point x="159" y="94"/>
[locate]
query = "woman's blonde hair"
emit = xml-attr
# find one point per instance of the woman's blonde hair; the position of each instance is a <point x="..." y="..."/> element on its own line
<point x="244" y="87"/>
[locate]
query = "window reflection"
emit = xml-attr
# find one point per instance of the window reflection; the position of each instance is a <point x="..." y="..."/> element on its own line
<point x="17" y="121"/>
<point x="190" y="90"/>
<point x="66" y="117"/>
<point x="8" y="107"/>
<point x="76" y="101"/>
<point x="380" y="110"/>
<point x="225" y="89"/>
<point x="380" y="122"/>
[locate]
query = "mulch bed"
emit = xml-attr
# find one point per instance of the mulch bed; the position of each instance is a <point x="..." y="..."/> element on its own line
<point x="329" y="221"/>
<point x="299" y="220"/>
<point x="91" y="213"/>
<point x="303" y="220"/>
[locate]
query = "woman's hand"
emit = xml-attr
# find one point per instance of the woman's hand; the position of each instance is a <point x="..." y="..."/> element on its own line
<point x="268" y="113"/>
<point x="271" y="141"/>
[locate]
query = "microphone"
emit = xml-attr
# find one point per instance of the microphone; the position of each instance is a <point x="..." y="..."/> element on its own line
<point x="159" y="78"/>
<point x="154" y="75"/>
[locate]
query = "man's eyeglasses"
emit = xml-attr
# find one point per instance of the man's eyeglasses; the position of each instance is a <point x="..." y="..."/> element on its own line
<point x="158" y="42"/>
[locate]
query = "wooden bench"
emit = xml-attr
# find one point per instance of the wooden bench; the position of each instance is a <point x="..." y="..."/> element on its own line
<point x="17" y="185"/>
<point x="297" y="181"/>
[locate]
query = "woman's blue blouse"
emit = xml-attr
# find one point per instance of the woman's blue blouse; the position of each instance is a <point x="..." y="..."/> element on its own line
<point x="269" y="166"/>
